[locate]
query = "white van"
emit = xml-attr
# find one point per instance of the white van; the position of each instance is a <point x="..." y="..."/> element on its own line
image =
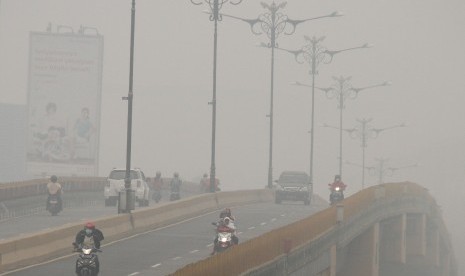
<point x="115" y="184"/>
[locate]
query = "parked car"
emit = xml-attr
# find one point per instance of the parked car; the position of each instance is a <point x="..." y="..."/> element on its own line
<point x="115" y="184"/>
<point x="293" y="186"/>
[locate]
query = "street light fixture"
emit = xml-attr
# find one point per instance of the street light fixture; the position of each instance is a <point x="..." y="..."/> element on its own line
<point x="381" y="170"/>
<point x="364" y="131"/>
<point x="215" y="16"/>
<point x="273" y="23"/>
<point x="314" y="53"/>
<point x="341" y="90"/>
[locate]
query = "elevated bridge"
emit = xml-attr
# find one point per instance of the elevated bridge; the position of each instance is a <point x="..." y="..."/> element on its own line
<point x="386" y="230"/>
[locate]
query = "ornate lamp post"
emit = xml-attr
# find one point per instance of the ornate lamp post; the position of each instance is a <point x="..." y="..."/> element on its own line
<point x="273" y="23"/>
<point x="314" y="53"/>
<point x="381" y="169"/>
<point x="215" y="16"/>
<point x="341" y="90"/>
<point x="364" y="131"/>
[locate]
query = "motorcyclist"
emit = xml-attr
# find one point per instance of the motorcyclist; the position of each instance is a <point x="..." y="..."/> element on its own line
<point x="337" y="183"/>
<point x="89" y="236"/>
<point x="226" y="213"/>
<point x="54" y="188"/>
<point x="205" y="184"/>
<point x="175" y="184"/>
<point x="229" y="223"/>
<point x="158" y="182"/>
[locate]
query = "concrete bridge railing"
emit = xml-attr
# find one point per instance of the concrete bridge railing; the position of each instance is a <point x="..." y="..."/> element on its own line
<point x="336" y="240"/>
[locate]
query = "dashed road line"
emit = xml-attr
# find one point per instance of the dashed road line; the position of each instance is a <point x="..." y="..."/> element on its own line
<point x="250" y="228"/>
<point x="157" y="265"/>
<point x="176" y="258"/>
<point x="132" y="274"/>
<point x="194" y="251"/>
<point x="273" y="219"/>
<point x="210" y="245"/>
<point x="263" y="223"/>
<point x="238" y="233"/>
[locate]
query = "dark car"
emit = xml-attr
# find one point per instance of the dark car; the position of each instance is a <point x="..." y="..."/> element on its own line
<point x="293" y="186"/>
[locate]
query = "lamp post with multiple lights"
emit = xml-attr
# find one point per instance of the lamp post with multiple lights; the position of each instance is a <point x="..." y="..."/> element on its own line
<point x="315" y="53"/>
<point x="341" y="90"/>
<point x="273" y="23"/>
<point x="215" y="16"/>
<point x="364" y="131"/>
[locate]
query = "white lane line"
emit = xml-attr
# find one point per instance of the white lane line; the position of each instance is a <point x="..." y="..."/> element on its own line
<point x="250" y="228"/>
<point x="176" y="258"/>
<point x="194" y="251"/>
<point x="156" y="265"/>
<point x="210" y="245"/>
<point x="273" y="219"/>
<point x="132" y="274"/>
<point x="263" y="223"/>
<point x="239" y="233"/>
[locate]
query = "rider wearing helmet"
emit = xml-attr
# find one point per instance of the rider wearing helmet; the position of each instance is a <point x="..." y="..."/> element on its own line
<point x="54" y="188"/>
<point x="89" y="236"/>
<point x="226" y="213"/>
<point x="337" y="183"/>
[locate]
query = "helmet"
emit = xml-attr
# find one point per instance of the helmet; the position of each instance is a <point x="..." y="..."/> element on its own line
<point x="337" y="177"/>
<point x="158" y="174"/>
<point x="176" y="174"/>
<point x="89" y="225"/>
<point x="227" y="211"/>
<point x="53" y="178"/>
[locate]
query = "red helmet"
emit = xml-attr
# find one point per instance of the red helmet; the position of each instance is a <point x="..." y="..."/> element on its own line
<point x="90" y="225"/>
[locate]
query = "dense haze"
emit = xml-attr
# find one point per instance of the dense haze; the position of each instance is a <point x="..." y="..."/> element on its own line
<point x="418" y="46"/>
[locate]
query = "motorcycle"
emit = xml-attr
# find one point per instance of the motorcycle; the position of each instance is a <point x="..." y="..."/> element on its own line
<point x="53" y="205"/>
<point x="87" y="263"/>
<point x="336" y="195"/>
<point x="156" y="196"/>
<point x="224" y="237"/>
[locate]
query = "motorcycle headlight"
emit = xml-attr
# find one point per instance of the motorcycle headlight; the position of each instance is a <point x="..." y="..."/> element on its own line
<point x="337" y="189"/>
<point x="87" y="251"/>
<point x="224" y="237"/>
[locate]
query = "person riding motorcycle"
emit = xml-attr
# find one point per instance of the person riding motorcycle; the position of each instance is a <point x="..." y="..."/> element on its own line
<point x="158" y="182"/>
<point x="54" y="189"/>
<point x="228" y="223"/>
<point x="175" y="186"/>
<point x="226" y="213"/>
<point x="337" y="184"/>
<point x="89" y="236"/>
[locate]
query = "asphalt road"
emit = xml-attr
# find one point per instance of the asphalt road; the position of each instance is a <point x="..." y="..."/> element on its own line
<point x="163" y="251"/>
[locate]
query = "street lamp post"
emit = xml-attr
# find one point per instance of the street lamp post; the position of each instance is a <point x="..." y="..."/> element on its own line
<point x="341" y="90"/>
<point x="381" y="169"/>
<point x="314" y="53"/>
<point x="274" y="23"/>
<point x="215" y="16"/>
<point x="364" y="131"/>
<point x="129" y="98"/>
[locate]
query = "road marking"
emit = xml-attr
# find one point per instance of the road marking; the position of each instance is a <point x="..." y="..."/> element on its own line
<point x="156" y="265"/>
<point x="250" y="228"/>
<point x="283" y="215"/>
<point x="273" y="219"/>
<point x="176" y="258"/>
<point x="194" y="251"/>
<point x="239" y="233"/>
<point x="263" y="223"/>
<point x="132" y="274"/>
<point x="209" y="245"/>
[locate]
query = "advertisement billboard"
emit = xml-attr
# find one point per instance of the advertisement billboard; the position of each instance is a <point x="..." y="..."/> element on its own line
<point x="64" y="97"/>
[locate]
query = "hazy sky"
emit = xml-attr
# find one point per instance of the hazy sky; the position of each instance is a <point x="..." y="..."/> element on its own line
<point x="418" y="46"/>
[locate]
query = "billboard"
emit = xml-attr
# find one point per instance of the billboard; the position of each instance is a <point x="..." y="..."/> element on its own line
<point x="64" y="96"/>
